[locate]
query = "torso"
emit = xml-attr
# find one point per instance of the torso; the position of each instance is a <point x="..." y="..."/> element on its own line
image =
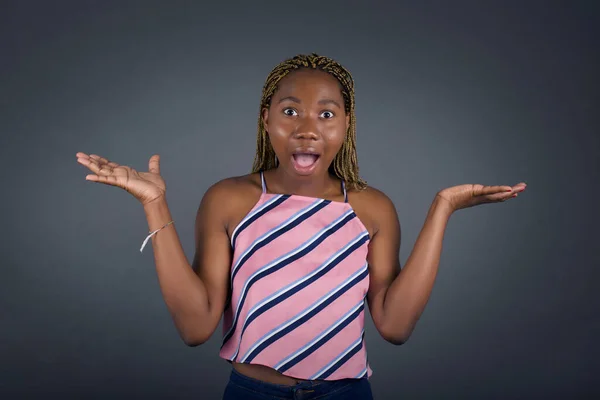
<point x="250" y="190"/>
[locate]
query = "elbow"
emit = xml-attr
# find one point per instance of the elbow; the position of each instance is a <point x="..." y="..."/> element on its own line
<point x="396" y="339"/>
<point x="193" y="342"/>
<point x="192" y="332"/>
<point x="194" y="338"/>
<point x="397" y="335"/>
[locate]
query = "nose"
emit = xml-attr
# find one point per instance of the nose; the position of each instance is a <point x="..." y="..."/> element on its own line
<point x="308" y="129"/>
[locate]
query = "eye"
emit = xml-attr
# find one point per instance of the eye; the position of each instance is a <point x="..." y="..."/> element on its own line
<point x="327" y="114"/>
<point x="290" y="112"/>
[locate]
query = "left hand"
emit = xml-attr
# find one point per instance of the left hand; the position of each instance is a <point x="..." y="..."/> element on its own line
<point x="464" y="196"/>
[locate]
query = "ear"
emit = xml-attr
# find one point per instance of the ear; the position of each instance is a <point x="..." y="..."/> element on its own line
<point x="265" y="118"/>
<point x="347" y="122"/>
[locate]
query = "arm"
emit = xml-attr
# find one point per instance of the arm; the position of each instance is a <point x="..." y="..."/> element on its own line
<point x="397" y="298"/>
<point x="195" y="295"/>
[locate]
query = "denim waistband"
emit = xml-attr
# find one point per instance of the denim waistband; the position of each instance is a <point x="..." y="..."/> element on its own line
<point x="308" y="389"/>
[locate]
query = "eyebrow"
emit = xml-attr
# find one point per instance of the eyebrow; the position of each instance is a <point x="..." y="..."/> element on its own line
<point x="322" y="102"/>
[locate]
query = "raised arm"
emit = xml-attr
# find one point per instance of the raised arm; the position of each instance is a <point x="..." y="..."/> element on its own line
<point x="397" y="297"/>
<point x="195" y="295"/>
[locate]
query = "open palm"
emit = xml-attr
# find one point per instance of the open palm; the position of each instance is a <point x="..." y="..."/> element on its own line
<point x="144" y="186"/>
<point x="464" y="196"/>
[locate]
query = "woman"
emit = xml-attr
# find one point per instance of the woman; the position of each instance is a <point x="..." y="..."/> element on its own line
<point x="289" y="253"/>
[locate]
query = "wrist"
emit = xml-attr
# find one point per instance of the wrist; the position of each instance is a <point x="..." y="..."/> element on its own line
<point x="442" y="206"/>
<point x="155" y="205"/>
<point x="157" y="213"/>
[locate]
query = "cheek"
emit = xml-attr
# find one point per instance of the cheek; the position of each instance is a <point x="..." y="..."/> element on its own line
<point x="279" y="136"/>
<point x="335" y="138"/>
<point x="280" y="126"/>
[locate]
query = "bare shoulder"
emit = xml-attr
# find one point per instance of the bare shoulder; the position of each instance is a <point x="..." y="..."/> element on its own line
<point x="232" y="198"/>
<point x="229" y="189"/>
<point x="374" y="208"/>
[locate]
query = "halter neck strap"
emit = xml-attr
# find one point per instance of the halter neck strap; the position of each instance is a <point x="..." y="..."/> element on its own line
<point x="262" y="180"/>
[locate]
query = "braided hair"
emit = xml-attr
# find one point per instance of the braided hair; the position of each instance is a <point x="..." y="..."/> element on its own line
<point x="345" y="164"/>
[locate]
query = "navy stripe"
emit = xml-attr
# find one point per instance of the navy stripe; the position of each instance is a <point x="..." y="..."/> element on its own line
<point x="304" y="284"/>
<point x="282" y="264"/>
<point x="256" y="216"/>
<point x="322" y="341"/>
<point x="236" y="263"/>
<point x="342" y="360"/>
<point x="278" y="233"/>
<point x="305" y="318"/>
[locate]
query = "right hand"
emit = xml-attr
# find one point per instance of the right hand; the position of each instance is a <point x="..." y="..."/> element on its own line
<point x="144" y="186"/>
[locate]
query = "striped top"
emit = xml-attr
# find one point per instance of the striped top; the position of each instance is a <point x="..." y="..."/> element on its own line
<point x="299" y="280"/>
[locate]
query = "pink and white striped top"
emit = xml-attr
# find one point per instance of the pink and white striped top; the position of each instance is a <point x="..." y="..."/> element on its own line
<point x="299" y="280"/>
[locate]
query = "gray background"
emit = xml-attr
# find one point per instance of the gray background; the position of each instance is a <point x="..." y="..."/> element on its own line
<point x="447" y="93"/>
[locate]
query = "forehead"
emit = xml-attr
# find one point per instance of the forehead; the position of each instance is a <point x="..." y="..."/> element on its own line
<point x="309" y="82"/>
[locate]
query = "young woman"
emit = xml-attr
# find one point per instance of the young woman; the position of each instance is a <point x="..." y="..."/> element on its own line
<point x="289" y="253"/>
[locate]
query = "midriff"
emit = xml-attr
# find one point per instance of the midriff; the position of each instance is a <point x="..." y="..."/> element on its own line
<point x="265" y="374"/>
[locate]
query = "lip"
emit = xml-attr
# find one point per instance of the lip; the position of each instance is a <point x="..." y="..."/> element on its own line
<point x="306" y="150"/>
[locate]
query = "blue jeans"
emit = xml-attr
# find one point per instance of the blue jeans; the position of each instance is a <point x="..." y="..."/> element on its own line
<point x="241" y="387"/>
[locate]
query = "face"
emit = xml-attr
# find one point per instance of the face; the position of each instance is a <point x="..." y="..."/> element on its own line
<point x="306" y="122"/>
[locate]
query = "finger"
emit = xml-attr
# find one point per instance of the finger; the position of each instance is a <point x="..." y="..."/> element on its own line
<point x="519" y="187"/>
<point x="107" y="180"/>
<point x="103" y="166"/>
<point x="90" y="163"/>
<point x="511" y="190"/>
<point x="95" y="160"/>
<point x="102" y="160"/>
<point x="109" y="163"/>
<point x="154" y="164"/>
<point x="499" y="197"/>
<point x="489" y="190"/>
<point x="105" y="170"/>
<point x="95" y="167"/>
<point x="91" y="177"/>
<point x="83" y="161"/>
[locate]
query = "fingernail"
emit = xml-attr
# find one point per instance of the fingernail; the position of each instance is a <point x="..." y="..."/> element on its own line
<point x="515" y="195"/>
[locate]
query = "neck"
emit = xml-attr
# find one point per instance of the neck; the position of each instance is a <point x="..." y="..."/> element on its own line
<point x="311" y="186"/>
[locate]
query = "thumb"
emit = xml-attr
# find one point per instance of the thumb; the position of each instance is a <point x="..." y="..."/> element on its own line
<point x="154" y="164"/>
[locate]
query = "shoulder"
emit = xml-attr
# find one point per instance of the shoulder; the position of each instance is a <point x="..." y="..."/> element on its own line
<point x="375" y="207"/>
<point x="229" y="188"/>
<point x="375" y="197"/>
<point x="231" y="197"/>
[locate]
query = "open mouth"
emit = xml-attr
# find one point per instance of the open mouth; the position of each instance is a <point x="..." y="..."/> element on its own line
<point x="305" y="162"/>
